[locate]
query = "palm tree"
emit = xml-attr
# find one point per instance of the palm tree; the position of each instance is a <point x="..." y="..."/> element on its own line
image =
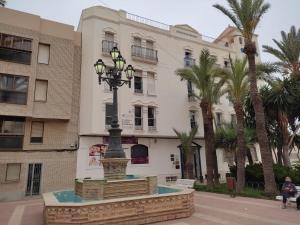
<point x="2" y="3"/>
<point x="246" y="14"/>
<point x="288" y="51"/>
<point x="204" y="77"/>
<point x="237" y="88"/>
<point x="279" y="97"/>
<point x="186" y="142"/>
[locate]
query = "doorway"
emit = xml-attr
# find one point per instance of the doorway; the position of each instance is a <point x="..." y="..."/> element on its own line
<point x="34" y="179"/>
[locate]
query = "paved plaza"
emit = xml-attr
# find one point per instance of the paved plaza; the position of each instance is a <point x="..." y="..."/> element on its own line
<point x="211" y="209"/>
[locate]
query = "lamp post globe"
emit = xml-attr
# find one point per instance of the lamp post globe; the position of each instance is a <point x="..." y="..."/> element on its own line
<point x="114" y="53"/>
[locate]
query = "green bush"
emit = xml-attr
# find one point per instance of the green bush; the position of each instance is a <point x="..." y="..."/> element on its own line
<point x="254" y="173"/>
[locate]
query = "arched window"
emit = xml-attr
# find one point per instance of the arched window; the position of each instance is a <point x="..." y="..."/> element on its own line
<point x="139" y="154"/>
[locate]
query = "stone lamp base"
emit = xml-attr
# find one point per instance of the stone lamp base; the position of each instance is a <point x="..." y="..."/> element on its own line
<point x="114" y="168"/>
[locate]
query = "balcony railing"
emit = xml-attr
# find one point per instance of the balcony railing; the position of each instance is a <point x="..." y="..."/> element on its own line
<point x="189" y="61"/>
<point x="11" y="142"/>
<point x="108" y="45"/>
<point x="146" y="54"/>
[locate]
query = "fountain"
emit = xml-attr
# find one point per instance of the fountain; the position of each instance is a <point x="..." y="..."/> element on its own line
<point x="116" y="199"/>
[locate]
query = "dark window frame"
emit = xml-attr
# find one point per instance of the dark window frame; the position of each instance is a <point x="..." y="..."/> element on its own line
<point x="13" y="50"/>
<point x="14" y="91"/>
<point x="136" y="90"/>
<point x="152" y="119"/>
<point x="15" y="137"/>
<point x="138" y="118"/>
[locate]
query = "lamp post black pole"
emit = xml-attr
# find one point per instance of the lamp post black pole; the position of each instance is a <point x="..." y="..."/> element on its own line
<point x="113" y="77"/>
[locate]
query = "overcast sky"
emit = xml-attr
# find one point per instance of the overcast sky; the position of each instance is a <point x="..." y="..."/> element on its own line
<point x="197" y="13"/>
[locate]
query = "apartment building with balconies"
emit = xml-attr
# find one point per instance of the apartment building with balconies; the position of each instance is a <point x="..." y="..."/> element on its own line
<point x="157" y="101"/>
<point x="39" y="104"/>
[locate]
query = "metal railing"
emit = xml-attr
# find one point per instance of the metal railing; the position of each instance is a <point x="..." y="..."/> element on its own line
<point x="108" y="45"/>
<point x="189" y="61"/>
<point x="144" y="53"/>
<point x="147" y="21"/>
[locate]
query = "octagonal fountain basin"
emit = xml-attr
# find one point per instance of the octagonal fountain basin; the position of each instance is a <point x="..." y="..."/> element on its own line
<point x="65" y="207"/>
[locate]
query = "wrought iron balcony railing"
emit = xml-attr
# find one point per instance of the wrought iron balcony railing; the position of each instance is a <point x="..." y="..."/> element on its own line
<point x="189" y="61"/>
<point x="144" y="53"/>
<point x="108" y="45"/>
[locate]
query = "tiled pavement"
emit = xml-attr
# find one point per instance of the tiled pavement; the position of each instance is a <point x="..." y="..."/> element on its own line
<point x="211" y="209"/>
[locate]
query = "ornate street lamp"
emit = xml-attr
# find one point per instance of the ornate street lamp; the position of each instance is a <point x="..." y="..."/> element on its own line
<point x="113" y="77"/>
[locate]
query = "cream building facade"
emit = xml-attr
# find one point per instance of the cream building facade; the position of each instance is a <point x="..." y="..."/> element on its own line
<point x="157" y="102"/>
<point x="39" y="104"/>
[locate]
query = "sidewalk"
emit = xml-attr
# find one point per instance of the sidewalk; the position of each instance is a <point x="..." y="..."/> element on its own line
<point x="210" y="209"/>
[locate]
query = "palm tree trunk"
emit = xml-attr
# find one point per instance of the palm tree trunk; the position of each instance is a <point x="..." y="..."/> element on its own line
<point x="241" y="145"/>
<point x="214" y="151"/>
<point x="208" y="144"/>
<point x="279" y="155"/>
<point x="283" y="124"/>
<point x="266" y="154"/>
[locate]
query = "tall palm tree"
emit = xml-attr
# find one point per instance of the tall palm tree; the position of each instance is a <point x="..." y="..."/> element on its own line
<point x="288" y="51"/>
<point x="279" y="97"/>
<point x="204" y="77"/>
<point x="246" y="14"/>
<point x="237" y="88"/>
<point x="186" y="143"/>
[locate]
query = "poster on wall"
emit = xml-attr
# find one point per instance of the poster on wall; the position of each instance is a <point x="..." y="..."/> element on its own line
<point x="96" y="153"/>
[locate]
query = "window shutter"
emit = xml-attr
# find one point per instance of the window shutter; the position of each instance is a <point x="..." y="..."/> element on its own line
<point x="37" y="132"/>
<point x="151" y="83"/>
<point x="13" y="172"/>
<point x="41" y="87"/>
<point x="44" y="53"/>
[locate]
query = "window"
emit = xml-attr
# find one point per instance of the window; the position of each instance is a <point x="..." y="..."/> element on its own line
<point x="149" y="44"/>
<point x="11" y="132"/>
<point x="41" y="88"/>
<point x="193" y="121"/>
<point x="226" y="44"/>
<point x="13" y="89"/>
<point x="15" y="49"/>
<point x="108" y="42"/>
<point x="108" y="114"/>
<point x="218" y="119"/>
<point x="188" y="60"/>
<point x="190" y="88"/>
<point x="37" y="132"/>
<point x="137" y="41"/>
<point x="138" y="117"/>
<point x="138" y="82"/>
<point x="151" y="118"/>
<point x="109" y="36"/>
<point x="13" y="171"/>
<point x="139" y="154"/>
<point x="151" y="83"/>
<point x="44" y="53"/>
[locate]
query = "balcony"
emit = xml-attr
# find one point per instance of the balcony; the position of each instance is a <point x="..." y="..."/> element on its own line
<point x="144" y="54"/>
<point x="107" y="46"/>
<point x="11" y="142"/>
<point x="188" y="62"/>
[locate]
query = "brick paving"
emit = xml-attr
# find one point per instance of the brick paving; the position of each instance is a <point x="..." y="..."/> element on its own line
<point x="210" y="209"/>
